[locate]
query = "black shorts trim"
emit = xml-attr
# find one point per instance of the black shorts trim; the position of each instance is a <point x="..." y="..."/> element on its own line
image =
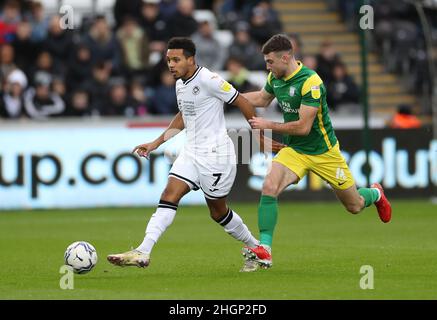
<point x="214" y="197"/>
<point x="195" y="186"/>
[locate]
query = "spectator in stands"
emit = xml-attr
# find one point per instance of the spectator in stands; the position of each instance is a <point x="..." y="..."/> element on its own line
<point x="59" y="87"/>
<point x="123" y="8"/>
<point x="163" y="99"/>
<point x="296" y="44"/>
<point x="156" y="26"/>
<point x="134" y="45"/>
<point x="168" y="8"/>
<point x="45" y="62"/>
<point x="183" y="23"/>
<point x="310" y="61"/>
<point x="405" y="119"/>
<point x="103" y="44"/>
<point x="342" y="89"/>
<point x="209" y="51"/>
<point x="78" y="103"/>
<point x="138" y="94"/>
<point x="11" y="99"/>
<point x="59" y="41"/>
<point x="41" y="102"/>
<point x="39" y="22"/>
<point x="245" y="48"/>
<point x="228" y="13"/>
<point x="24" y="47"/>
<point x="7" y="65"/>
<point x="9" y="20"/>
<point x="79" y="66"/>
<point x="119" y="102"/>
<point x="98" y="87"/>
<point x="327" y="58"/>
<point x="239" y="78"/>
<point x="261" y="29"/>
<point x="271" y="14"/>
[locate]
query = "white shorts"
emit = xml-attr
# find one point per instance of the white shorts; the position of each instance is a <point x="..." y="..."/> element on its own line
<point x="213" y="171"/>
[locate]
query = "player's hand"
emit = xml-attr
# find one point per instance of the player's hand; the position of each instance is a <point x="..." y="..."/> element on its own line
<point x="260" y="123"/>
<point x="269" y="145"/>
<point x="143" y="150"/>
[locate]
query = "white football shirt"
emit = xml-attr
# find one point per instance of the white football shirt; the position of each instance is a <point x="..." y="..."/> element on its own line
<point x="200" y="100"/>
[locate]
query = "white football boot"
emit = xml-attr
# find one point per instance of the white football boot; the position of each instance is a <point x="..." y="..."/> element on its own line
<point x="130" y="258"/>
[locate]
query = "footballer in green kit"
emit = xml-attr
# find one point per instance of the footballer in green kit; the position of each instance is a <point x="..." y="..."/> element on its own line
<point x="311" y="145"/>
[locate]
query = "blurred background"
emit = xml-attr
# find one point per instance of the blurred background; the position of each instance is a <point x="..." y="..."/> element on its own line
<point x="100" y="85"/>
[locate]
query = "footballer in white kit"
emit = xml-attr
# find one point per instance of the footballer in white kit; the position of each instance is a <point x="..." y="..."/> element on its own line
<point x="207" y="161"/>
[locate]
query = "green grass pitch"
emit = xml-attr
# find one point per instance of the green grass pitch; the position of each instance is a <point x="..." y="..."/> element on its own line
<point x="318" y="251"/>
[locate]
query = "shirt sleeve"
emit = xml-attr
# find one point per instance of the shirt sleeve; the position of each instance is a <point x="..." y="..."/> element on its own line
<point x="312" y="91"/>
<point x="268" y="85"/>
<point x="220" y="88"/>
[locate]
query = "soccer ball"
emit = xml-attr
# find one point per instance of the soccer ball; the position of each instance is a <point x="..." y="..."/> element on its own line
<point x="81" y="256"/>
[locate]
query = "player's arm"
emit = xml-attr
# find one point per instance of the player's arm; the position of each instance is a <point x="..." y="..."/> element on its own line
<point x="249" y="113"/>
<point x="175" y="126"/>
<point x="301" y="127"/>
<point x="259" y="99"/>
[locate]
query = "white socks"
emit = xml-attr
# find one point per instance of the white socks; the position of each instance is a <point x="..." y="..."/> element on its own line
<point x="165" y="213"/>
<point x="235" y="226"/>
<point x="158" y="223"/>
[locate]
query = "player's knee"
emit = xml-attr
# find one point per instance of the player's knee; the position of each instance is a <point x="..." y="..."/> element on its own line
<point x="170" y="195"/>
<point x="270" y="188"/>
<point x="353" y="208"/>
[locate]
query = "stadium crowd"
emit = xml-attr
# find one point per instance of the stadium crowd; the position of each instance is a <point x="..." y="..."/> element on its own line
<point x="398" y="37"/>
<point x="117" y="67"/>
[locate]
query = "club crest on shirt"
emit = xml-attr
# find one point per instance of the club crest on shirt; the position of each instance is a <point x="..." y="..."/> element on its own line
<point x="315" y="92"/>
<point x="226" y="86"/>
<point x="292" y="91"/>
<point x="196" y="90"/>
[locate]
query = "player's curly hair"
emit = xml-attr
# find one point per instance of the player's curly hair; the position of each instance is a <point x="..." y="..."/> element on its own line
<point x="185" y="44"/>
<point x="278" y="42"/>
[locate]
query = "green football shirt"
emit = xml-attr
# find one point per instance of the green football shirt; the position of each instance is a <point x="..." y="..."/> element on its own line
<point x="305" y="87"/>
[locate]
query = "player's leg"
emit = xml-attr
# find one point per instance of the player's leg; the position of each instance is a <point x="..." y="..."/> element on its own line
<point x="351" y="199"/>
<point x="216" y="176"/>
<point x="356" y="200"/>
<point x="275" y="182"/>
<point x="161" y="219"/>
<point x="182" y="178"/>
<point x="332" y="167"/>
<point x="164" y="214"/>
<point x="288" y="167"/>
<point x="230" y="221"/>
<point x="278" y="178"/>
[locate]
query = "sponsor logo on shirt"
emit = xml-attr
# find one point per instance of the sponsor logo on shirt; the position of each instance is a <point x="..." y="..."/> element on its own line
<point x="286" y="107"/>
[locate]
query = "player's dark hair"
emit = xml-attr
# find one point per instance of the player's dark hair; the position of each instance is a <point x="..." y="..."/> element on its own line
<point x="186" y="44"/>
<point x="277" y="43"/>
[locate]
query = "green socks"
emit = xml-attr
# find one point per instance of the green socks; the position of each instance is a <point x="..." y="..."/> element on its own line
<point x="267" y="217"/>
<point x="268" y="213"/>
<point x="370" y="195"/>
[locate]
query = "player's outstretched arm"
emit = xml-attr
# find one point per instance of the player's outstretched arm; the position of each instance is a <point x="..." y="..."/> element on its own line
<point x="175" y="126"/>
<point x="301" y="127"/>
<point x="259" y="99"/>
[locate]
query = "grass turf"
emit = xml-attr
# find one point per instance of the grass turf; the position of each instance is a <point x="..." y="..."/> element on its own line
<point x="318" y="252"/>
